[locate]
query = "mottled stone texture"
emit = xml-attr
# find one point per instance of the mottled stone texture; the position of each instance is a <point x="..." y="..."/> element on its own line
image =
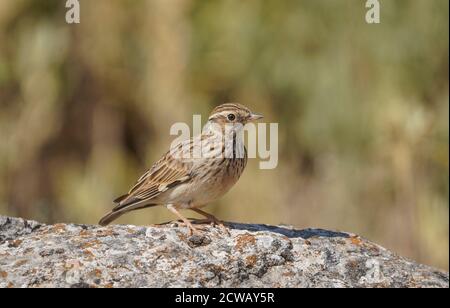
<point x="68" y="255"/>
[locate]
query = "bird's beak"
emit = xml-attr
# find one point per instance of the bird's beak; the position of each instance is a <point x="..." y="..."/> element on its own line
<point x="254" y="117"/>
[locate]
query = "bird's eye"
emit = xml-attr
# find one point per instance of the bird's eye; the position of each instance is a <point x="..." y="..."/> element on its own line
<point x="231" y="117"/>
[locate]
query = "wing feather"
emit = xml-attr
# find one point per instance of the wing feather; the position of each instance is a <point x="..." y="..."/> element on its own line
<point x="166" y="173"/>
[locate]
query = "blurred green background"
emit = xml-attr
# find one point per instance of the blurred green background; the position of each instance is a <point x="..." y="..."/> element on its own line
<point x="362" y="109"/>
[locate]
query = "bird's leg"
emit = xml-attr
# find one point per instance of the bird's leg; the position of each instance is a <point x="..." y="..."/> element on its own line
<point x="212" y="219"/>
<point x="209" y="217"/>
<point x="192" y="230"/>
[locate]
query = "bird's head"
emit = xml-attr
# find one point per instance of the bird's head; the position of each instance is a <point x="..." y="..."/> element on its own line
<point x="232" y="114"/>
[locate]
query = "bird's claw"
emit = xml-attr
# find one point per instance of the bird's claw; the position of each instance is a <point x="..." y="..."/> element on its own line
<point x="214" y="223"/>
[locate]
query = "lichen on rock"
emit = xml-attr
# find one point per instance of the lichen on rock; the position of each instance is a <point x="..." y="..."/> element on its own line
<point x="69" y="255"/>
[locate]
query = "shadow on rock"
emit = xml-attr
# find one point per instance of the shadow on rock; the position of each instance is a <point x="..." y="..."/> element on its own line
<point x="287" y="231"/>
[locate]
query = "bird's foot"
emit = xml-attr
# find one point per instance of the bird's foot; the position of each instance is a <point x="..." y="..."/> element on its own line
<point x="197" y="230"/>
<point x="213" y="221"/>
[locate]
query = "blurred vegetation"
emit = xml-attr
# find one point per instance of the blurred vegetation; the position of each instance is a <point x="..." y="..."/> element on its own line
<point x="362" y="109"/>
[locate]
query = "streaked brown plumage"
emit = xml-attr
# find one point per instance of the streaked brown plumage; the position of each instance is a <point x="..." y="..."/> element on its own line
<point x="183" y="179"/>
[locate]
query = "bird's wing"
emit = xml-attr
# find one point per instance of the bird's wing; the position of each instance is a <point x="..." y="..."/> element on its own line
<point x="166" y="173"/>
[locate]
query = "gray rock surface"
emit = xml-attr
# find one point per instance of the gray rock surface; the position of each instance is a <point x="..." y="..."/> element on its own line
<point x="68" y="255"/>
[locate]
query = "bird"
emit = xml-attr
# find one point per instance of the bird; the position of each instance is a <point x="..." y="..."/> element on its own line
<point x="194" y="172"/>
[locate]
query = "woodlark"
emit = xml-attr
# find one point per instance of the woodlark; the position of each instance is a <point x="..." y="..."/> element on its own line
<point x="194" y="172"/>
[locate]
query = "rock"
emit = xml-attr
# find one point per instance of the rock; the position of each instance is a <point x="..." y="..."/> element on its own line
<point x="80" y="256"/>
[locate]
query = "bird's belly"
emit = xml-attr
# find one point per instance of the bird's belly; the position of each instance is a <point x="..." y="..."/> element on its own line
<point x="211" y="190"/>
<point x="200" y="191"/>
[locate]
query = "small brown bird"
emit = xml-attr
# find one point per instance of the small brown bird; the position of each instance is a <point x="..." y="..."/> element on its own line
<point x="194" y="172"/>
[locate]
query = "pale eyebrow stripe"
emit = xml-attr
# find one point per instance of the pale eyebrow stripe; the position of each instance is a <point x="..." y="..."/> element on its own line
<point x="222" y="113"/>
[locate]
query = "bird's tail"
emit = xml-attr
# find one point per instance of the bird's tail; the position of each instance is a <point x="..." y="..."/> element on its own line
<point x="122" y="209"/>
<point x="108" y="218"/>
